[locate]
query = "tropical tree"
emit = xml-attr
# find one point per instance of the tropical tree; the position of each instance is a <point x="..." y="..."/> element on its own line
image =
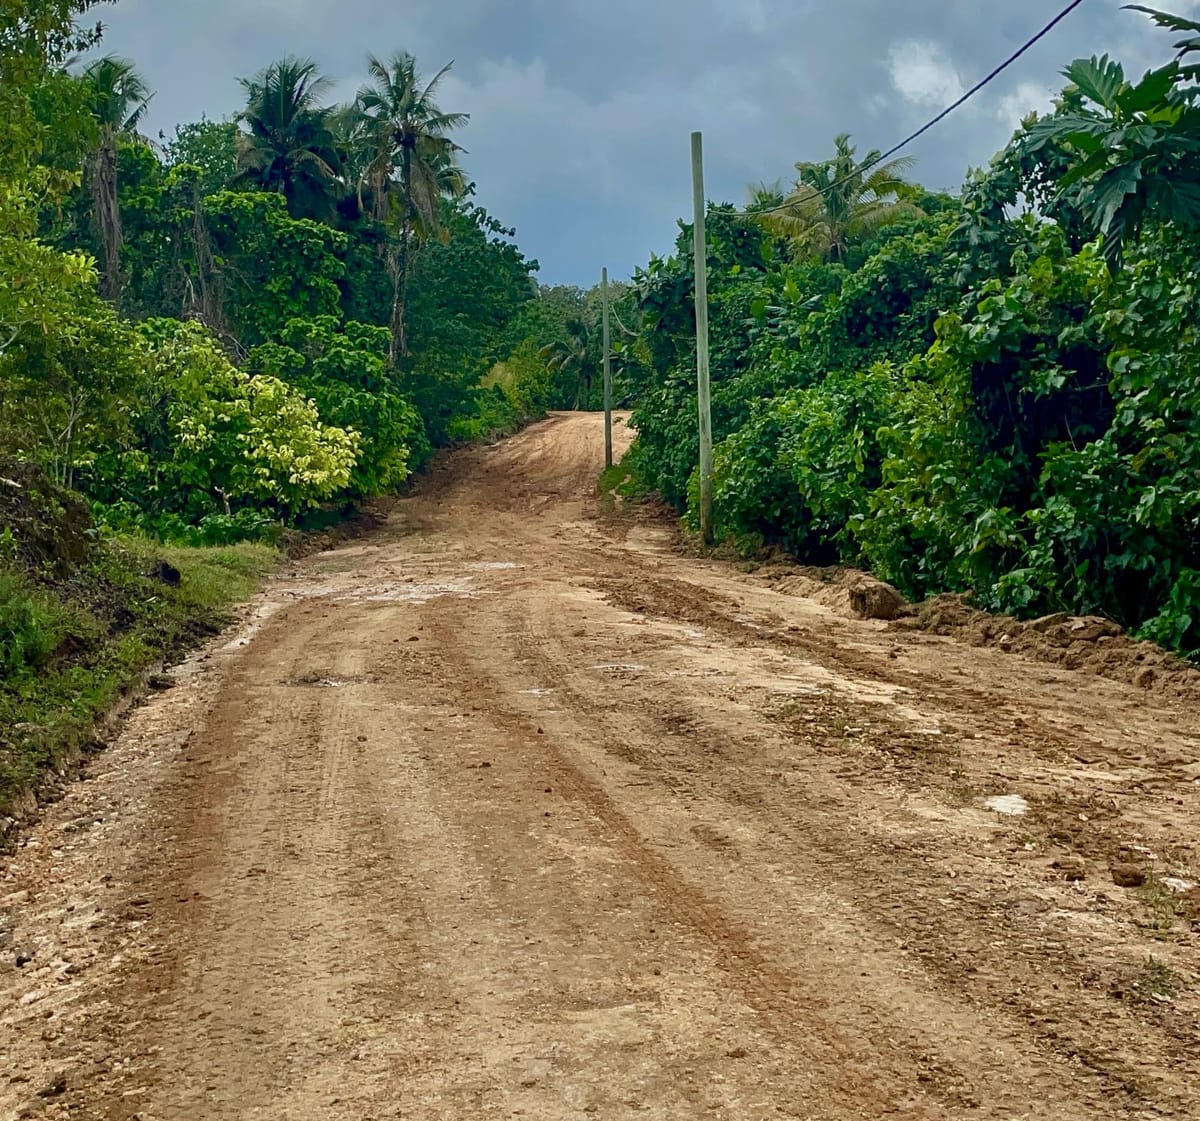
<point x="210" y="146"/>
<point x="36" y="37"/>
<point x="575" y="358"/>
<point x="766" y="196"/>
<point x="290" y="147"/>
<point x="354" y="141"/>
<point x="1135" y="145"/>
<point x="412" y="168"/>
<point x="119" y="98"/>
<point x="840" y="201"/>
<point x="240" y="438"/>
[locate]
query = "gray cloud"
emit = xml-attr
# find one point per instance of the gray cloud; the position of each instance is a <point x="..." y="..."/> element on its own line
<point x="581" y="112"/>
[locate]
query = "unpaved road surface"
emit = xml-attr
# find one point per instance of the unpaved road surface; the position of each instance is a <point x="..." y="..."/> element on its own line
<point x="513" y="810"/>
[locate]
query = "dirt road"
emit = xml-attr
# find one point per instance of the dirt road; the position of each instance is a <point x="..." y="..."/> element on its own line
<point x="511" y="810"/>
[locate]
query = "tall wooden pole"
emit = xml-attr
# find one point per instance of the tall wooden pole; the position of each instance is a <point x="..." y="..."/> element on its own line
<point x="700" y="252"/>
<point x="608" y="387"/>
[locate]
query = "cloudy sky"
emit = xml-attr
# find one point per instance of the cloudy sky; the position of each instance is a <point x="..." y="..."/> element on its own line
<point x="581" y="110"/>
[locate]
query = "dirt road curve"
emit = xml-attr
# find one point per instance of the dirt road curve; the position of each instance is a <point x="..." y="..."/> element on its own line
<point x="514" y="811"/>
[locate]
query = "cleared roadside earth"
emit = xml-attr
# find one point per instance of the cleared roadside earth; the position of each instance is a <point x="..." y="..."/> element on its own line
<point x="512" y="811"/>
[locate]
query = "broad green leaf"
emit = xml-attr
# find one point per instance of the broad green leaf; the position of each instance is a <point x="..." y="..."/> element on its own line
<point x="1166" y="19"/>
<point x="1111" y="191"/>
<point x="1151" y="91"/>
<point x="1099" y="79"/>
<point x="1178" y="198"/>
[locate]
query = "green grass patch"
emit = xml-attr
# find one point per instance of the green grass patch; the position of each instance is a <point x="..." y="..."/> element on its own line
<point x="1156" y="980"/>
<point x="71" y="648"/>
<point x="214" y="578"/>
<point x="621" y="483"/>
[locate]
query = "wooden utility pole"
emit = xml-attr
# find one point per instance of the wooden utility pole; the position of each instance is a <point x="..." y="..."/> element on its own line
<point x="608" y="388"/>
<point x="700" y="252"/>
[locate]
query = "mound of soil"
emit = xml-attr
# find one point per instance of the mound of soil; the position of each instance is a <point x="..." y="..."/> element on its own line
<point x="873" y="599"/>
<point x="347" y="523"/>
<point x="834" y="588"/>
<point x="52" y="542"/>
<point x="1088" y="643"/>
<point x="50" y="527"/>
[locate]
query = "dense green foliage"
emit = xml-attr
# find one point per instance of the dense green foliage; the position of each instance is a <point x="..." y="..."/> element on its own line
<point x="953" y="392"/>
<point x="265" y="314"/>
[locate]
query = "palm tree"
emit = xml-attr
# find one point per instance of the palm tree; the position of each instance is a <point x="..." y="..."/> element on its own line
<point x="119" y="99"/>
<point x="842" y="200"/>
<point x="574" y="356"/>
<point x="354" y="140"/>
<point x="412" y="167"/>
<point x="766" y="196"/>
<point x="290" y="146"/>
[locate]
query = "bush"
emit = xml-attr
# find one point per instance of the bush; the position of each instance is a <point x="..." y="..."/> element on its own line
<point x="800" y="474"/>
<point x="33" y="625"/>
<point x="210" y="438"/>
<point x="343" y="369"/>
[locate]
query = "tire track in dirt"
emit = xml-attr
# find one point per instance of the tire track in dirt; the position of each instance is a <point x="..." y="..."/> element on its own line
<point x="1102" y="1043"/>
<point x="825" y="842"/>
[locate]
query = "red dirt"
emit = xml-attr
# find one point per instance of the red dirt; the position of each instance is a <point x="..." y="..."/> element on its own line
<point x="512" y="810"/>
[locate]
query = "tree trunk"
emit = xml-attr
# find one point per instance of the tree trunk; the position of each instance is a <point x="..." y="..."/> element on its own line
<point x="397" y="263"/>
<point x="108" y="217"/>
<point x="206" y="299"/>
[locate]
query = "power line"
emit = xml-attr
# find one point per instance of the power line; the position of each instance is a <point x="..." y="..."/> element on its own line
<point x="945" y="112"/>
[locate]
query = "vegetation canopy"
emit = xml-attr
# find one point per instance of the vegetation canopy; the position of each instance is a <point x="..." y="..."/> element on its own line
<point x="993" y="392"/>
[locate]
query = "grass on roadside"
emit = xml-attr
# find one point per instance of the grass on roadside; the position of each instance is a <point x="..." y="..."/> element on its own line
<point x="71" y="648"/>
<point x="619" y="484"/>
<point x="214" y="578"/>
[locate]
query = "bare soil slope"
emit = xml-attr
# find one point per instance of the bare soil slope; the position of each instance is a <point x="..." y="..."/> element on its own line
<point x="511" y="811"/>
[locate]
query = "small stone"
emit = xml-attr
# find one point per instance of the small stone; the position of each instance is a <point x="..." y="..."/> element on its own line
<point x="1128" y="875"/>
<point x="1009" y="805"/>
<point x="1071" y="868"/>
<point x="1145" y="678"/>
<point x="56" y="1086"/>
